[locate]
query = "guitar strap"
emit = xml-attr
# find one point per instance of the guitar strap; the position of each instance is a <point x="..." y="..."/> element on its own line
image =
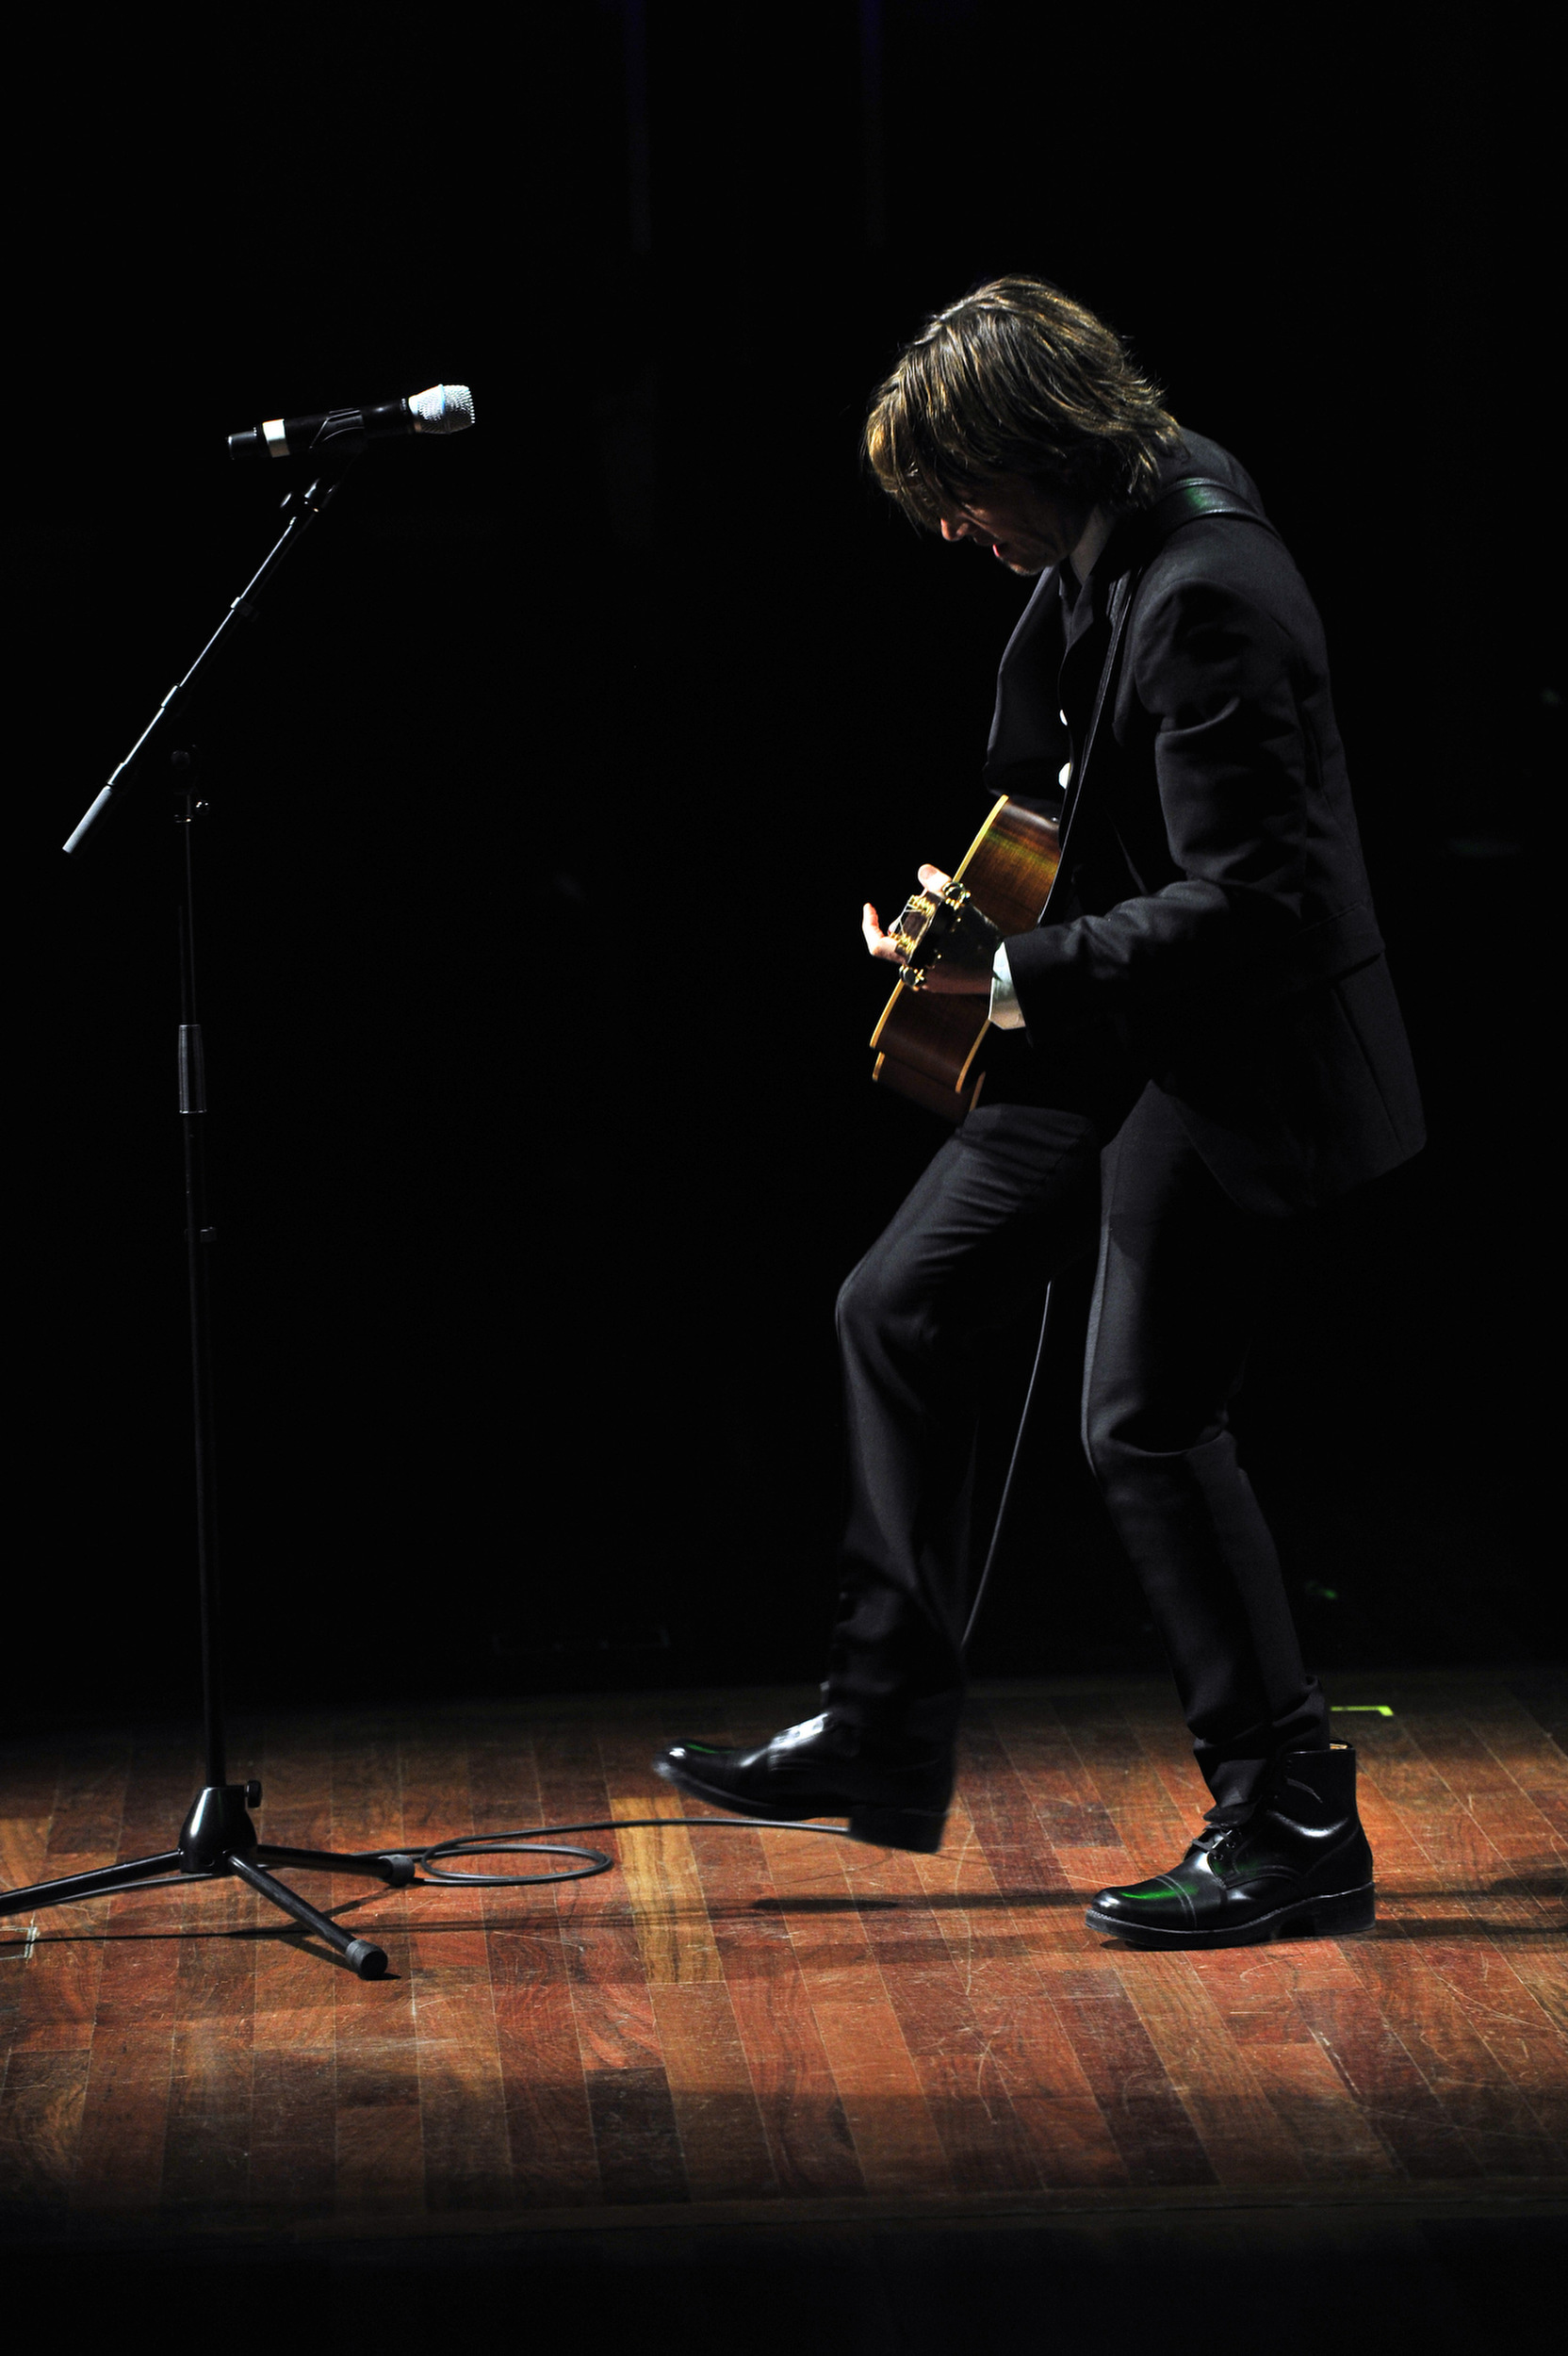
<point x="1181" y="504"/>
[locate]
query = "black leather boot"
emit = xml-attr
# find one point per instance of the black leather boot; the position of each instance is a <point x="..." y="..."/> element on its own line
<point x="1299" y="1862"/>
<point x="893" y="1792"/>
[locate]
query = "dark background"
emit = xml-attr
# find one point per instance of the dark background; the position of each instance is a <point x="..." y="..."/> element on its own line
<point x="547" y="788"/>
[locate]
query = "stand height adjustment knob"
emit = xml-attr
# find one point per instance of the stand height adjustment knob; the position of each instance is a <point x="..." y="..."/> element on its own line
<point x="253" y="1793"/>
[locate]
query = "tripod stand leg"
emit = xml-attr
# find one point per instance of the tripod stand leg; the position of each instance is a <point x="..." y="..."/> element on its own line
<point x="98" y="1884"/>
<point x="393" y="1865"/>
<point x="367" y="1960"/>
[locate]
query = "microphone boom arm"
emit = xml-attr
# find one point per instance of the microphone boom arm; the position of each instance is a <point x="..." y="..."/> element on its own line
<point x="302" y="509"/>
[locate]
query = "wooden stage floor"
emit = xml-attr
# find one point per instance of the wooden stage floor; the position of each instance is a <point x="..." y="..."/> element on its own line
<point x="754" y="2025"/>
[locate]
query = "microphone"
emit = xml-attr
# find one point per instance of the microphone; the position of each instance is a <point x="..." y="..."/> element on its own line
<point x="343" y="432"/>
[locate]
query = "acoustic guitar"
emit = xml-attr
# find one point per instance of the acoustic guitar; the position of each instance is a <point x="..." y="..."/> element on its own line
<point x="929" y="1042"/>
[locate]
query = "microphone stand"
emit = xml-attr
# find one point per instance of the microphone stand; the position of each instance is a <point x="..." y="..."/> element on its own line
<point x="218" y="1837"/>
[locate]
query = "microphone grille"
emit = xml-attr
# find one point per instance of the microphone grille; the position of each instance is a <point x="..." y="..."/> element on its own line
<point x="444" y="409"/>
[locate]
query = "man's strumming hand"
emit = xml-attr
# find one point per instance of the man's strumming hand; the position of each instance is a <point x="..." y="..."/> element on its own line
<point x="952" y="981"/>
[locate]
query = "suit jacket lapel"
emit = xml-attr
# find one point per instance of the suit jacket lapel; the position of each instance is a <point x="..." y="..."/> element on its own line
<point x="1025" y="720"/>
<point x="1103" y="638"/>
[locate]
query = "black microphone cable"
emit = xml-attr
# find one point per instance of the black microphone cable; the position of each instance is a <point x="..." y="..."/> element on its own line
<point x="544" y="1841"/>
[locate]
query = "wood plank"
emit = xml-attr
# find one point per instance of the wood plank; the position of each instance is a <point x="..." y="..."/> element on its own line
<point x="1029" y="1788"/>
<point x="992" y="1936"/>
<point x="1076" y="1828"/>
<point x="293" y="2167"/>
<point x="1517" y="2028"/>
<point x="1108" y="1816"/>
<point x="1021" y="1784"/>
<point x="1515" y="1827"/>
<point x="1400" y="1864"/>
<point x="296" y="1766"/>
<point x="89" y="1810"/>
<point x="1396" y="1763"/>
<point x="1515" y="1736"/>
<point x="467" y="2151"/>
<point x="808" y="2144"/>
<point x="165" y="1775"/>
<point x="367" y="1813"/>
<point x="1368" y="2053"/>
<point x="1167" y="1741"/>
<point x="49" y="1982"/>
<point x="40" y="2116"/>
<point x="503" y="1796"/>
<point x="462" y="2091"/>
<point x="806" y="2147"/>
<point x="52" y="1988"/>
<point x="986" y="2147"/>
<point x="1435" y="1861"/>
<point x="1322" y="2114"/>
<point x="379" y="2161"/>
<point x="665" y="1894"/>
<point x="1466" y="1864"/>
<point x="293" y="2059"/>
<point x="379" y="2145"/>
<point x="1541" y="1696"/>
<point x="1254" y="1991"/>
<point x="723" y="2146"/>
<point x="1128" y="1784"/>
<point x="1496" y="2121"/>
<point x="1536" y="1960"/>
<point x="24" y="1846"/>
<point x="549" y="2129"/>
<point x="1551" y="1800"/>
<point x="636" y="2141"/>
<point x="1222" y="2086"/>
<point x="294" y="1984"/>
<point x="1516" y="1739"/>
<point x="207" y="2131"/>
<point x="119" y="2148"/>
<point x="1156" y="2138"/>
<point x="30" y="1771"/>
<point x="884" y="2107"/>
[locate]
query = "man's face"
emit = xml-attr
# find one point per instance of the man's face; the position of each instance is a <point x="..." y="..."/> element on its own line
<point x="1026" y="527"/>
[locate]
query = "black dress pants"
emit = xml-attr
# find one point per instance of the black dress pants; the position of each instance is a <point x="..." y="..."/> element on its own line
<point x="1015" y="1196"/>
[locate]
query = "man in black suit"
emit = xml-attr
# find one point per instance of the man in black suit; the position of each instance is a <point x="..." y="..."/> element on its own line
<point x="1199" y="1042"/>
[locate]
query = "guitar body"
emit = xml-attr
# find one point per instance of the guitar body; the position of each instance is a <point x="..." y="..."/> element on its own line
<point x="929" y="1042"/>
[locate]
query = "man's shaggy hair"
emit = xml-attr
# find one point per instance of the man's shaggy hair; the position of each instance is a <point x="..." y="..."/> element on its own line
<point x="1015" y="380"/>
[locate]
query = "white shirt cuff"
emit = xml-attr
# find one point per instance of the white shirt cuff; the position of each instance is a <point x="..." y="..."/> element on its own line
<point x="1006" y="1013"/>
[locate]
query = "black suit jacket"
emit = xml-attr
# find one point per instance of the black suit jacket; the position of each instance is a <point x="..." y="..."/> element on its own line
<point x="1212" y="922"/>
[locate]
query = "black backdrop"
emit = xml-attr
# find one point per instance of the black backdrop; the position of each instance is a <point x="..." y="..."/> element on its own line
<point x="546" y="791"/>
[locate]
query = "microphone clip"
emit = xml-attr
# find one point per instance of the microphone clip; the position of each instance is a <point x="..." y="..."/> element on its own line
<point x="340" y="435"/>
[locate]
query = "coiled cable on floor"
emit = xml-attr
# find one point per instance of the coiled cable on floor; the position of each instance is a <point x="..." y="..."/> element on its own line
<point x="543" y="1842"/>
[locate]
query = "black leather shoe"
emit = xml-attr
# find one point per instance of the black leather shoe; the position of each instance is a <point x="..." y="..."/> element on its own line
<point x="1299" y="1863"/>
<point x="894" y="1795"/>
